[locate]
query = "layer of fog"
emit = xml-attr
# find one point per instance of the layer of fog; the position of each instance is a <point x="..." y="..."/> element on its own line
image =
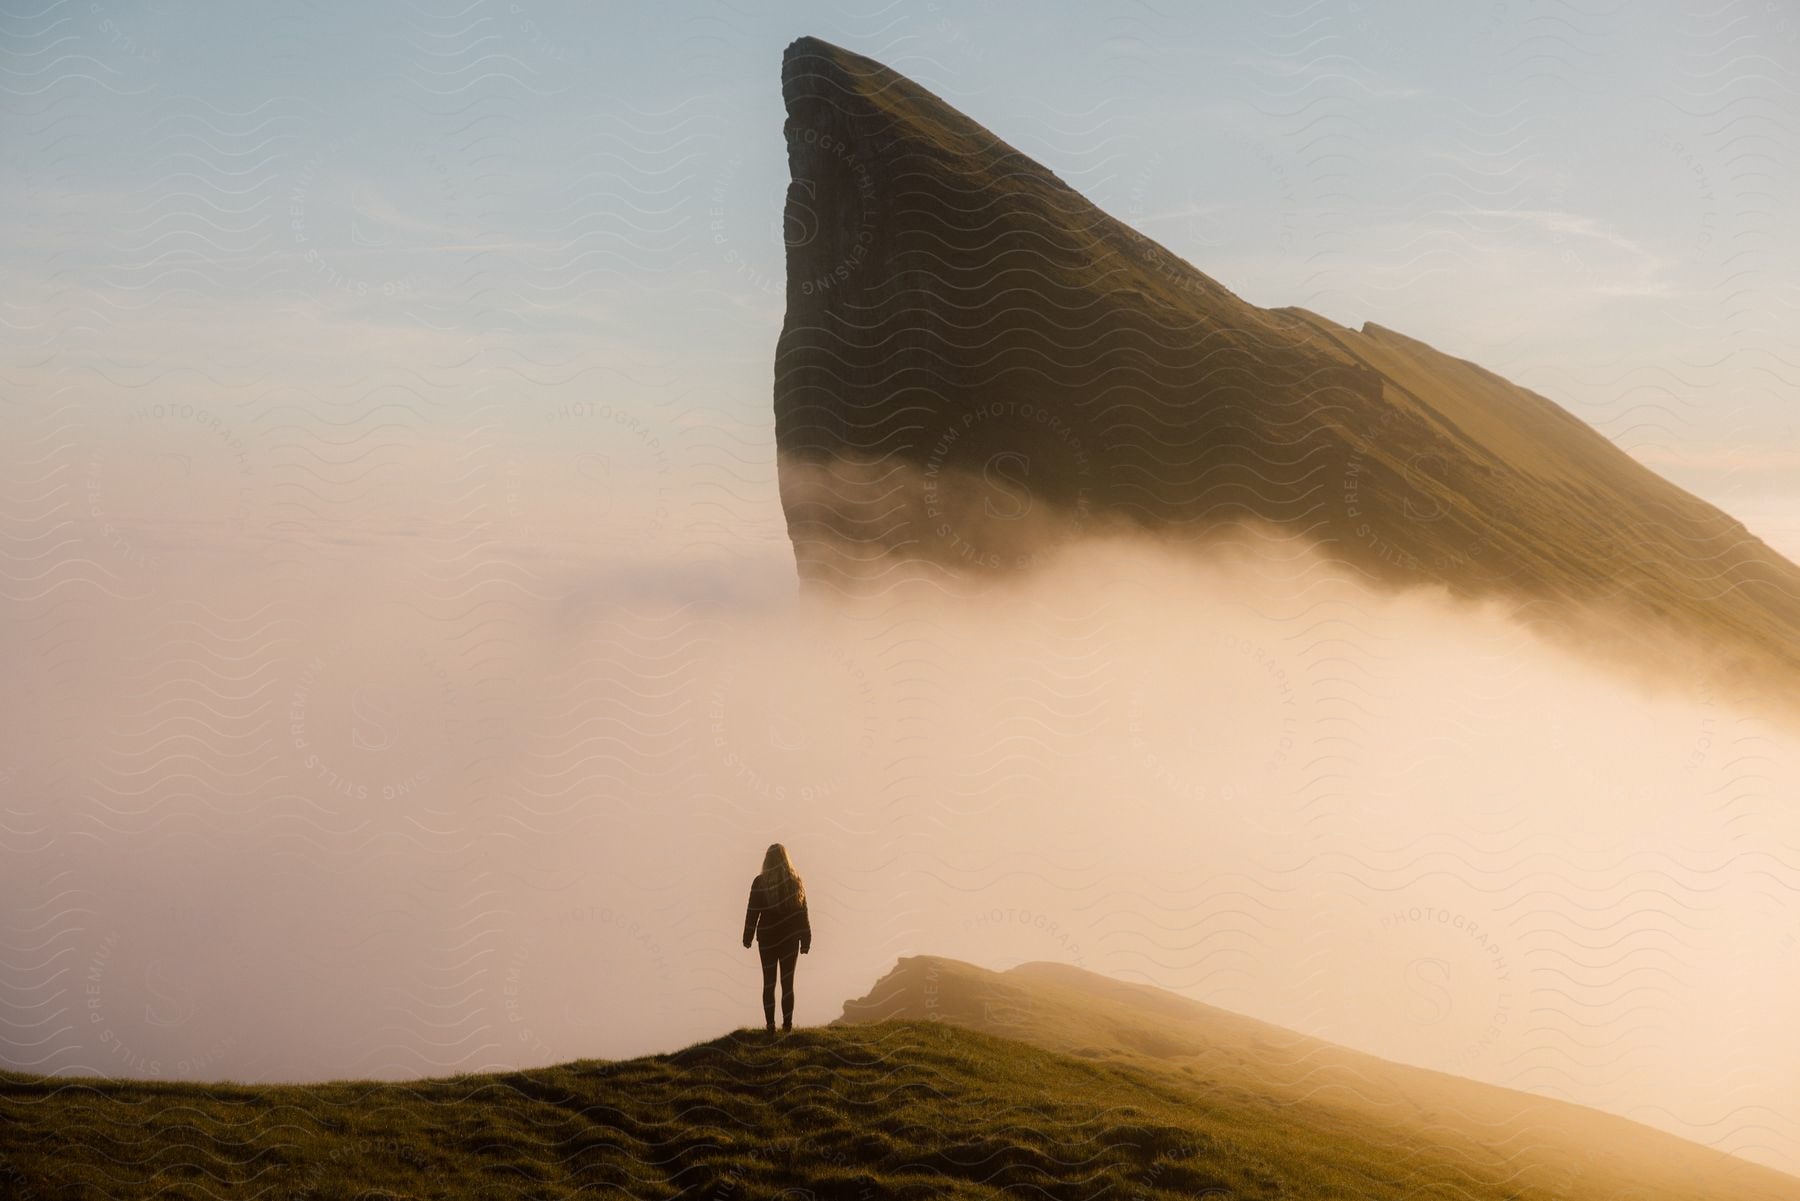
<point x="365" y="810"/>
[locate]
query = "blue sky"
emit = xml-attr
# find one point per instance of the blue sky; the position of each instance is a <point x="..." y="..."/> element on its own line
<point x="1589" y="200"/>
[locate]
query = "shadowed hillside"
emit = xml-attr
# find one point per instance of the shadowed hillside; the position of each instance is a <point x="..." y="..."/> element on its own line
<point x="1413" y="1129"/>
<point x="1161" y="1098"/>
<point x="978" y="365"/>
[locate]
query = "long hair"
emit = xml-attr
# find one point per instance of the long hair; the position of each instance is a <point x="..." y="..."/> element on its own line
<point x="780" y="878"/>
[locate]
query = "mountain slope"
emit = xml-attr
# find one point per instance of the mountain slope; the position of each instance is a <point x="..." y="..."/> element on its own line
<point x="1413" y="1129"/>
<point x="899" y="1110"/>
<point x="978" y="364"/>
<point x="1163" y="1099"/>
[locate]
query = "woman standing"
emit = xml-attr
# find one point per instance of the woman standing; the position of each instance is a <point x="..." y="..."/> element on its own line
<point x="776" y="916"/>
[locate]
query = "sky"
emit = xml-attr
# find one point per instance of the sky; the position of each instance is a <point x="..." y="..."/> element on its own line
<point x="405" y="669"/>
<point x="1588" y="200"/>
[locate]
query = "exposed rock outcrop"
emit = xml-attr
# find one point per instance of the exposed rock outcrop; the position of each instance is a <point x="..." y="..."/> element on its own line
<point x="978" y="365"/>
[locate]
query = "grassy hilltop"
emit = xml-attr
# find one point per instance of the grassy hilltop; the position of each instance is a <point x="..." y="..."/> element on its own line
<point x="899" y="1109"/>
<point x="1157" y="1098"/>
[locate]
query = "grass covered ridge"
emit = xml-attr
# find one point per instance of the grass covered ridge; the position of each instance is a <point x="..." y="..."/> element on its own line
<point x="895" y="1109"/>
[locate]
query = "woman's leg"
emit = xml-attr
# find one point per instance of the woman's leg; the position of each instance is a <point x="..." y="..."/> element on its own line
<point x="768" y="964"/>
<point x="787" y="987"/>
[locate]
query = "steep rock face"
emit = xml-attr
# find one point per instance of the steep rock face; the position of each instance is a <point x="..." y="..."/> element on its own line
<point x="978" y="365"/>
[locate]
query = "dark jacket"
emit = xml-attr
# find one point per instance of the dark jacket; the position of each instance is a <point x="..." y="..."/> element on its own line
<point x="778" y="923"/>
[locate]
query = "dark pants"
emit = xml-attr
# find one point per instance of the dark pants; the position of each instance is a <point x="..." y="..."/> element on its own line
<point x="784" y="956"/>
